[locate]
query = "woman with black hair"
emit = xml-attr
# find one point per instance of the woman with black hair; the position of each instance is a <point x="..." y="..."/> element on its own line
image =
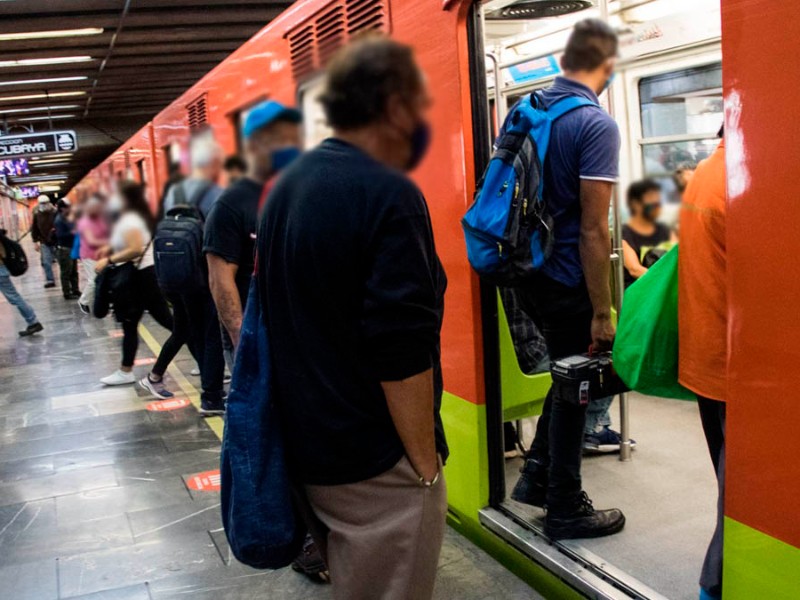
<point x="130" y="242"/>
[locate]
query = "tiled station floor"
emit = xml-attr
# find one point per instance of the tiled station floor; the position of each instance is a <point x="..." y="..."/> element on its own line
<point x="102" y="498"/>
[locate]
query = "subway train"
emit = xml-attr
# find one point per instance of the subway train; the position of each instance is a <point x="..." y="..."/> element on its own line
<point x="672" y="92"/>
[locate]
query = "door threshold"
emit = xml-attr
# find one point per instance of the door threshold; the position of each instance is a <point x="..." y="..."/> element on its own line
<point x="581" y="569"/>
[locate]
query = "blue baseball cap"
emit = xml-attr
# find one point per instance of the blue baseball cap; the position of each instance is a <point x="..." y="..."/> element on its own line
<point x="267" y="113"/>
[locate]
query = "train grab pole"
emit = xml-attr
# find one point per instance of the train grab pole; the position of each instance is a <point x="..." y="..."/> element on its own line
<point x="619" y="280"/>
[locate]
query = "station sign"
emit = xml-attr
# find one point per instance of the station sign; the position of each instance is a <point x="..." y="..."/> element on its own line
<point x="36" y="144"/>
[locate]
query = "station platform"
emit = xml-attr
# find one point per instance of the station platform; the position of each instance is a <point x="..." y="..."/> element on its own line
<point x="104" y="496"/>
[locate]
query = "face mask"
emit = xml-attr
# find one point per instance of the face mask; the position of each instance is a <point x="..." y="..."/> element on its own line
<point x="420" y="140"/>
<point x="115" y="205"/>
<point x="283" y="157"/>
<point x="609" y="81"/>
<point x="649" y="211"/>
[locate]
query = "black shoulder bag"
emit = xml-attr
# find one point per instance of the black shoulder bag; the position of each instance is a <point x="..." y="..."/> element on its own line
<point x="114" y="287"/>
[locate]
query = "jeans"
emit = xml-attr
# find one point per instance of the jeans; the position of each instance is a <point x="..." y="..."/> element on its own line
<point x="48" y="254"/>
<point x="68" y="268"/>
<point x="598" y="415"/>
<point x="87" y="297"/>
<point x="14" y="299"/>
<point x="712" y="415"/>
<point x="204" y="339"/>
<point x="564" y="316"/>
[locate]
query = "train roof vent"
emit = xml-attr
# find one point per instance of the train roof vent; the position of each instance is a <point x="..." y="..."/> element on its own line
<point x="313" y="42"/>
<point x="537" y="9"/>
<point x="197" y="113"/>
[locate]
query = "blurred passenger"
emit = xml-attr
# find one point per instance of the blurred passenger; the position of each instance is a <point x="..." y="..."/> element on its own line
<point x="200" y="191"/>
<point x="44" y="238"/>
<point x="65" y="240"/>
<point x="93" y="232"/>
<point x="644" y="239"/>
<point x="13" y="296"/>
<point x="235" y="168"/>
<point x="130" y="242"/>
<point x="571" y="296"/>
<point x="272" y="134"/>
<point x="703" y="326"/>
<point x="353" y="296"/>
<point x="682" y="176"/>
<point x="175" y="175"/>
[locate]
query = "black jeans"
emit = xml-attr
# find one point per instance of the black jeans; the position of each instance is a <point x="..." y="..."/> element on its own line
<point x="712" y="415"/>
<point x="198" y="326"/>
<point x="147" y="296"/>
<point x="68" y="270"/>
<point x="564" y="316"/>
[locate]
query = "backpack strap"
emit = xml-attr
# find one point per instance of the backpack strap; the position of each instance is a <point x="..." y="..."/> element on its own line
<point x="565" y="105"/>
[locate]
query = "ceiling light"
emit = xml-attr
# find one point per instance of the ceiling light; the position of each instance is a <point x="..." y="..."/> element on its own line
<point x="49" y="165"/>
<point x="38" y="62"/>
<point x="41" y="96"/>
<point x="47" y="118"/>
<point x="59" y="33"/>
<point x="50" y="157"/>
<point x="45" y="80"/>
<point x="9" y="111"/>
<point x="50" y="188"/>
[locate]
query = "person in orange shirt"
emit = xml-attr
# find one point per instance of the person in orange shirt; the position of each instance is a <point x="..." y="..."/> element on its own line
<point x="702" y="325"/>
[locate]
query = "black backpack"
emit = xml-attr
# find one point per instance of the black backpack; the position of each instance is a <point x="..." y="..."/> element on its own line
<point x="178" y="245"/>
<point x="15" y="260"/>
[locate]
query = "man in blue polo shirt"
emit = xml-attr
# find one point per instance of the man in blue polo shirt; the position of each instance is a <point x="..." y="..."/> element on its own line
<point x="570" y="298"/>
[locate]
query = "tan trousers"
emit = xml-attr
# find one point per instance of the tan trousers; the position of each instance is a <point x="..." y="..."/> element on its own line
<point x="385" y="534"/>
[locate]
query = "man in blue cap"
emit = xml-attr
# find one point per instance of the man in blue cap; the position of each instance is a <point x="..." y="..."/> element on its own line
<point x="272" y="140"/>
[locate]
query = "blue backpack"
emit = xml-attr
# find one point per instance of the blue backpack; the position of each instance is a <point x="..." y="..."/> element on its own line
<point x="508" y="228"/>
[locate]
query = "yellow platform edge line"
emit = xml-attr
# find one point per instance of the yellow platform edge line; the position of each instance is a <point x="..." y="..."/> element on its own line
<point x="215" y="423"/>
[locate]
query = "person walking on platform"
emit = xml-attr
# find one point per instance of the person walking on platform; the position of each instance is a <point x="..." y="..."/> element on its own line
<point x="130" y="242"/>
<point x="570" y="297"/>
<point x="65" y="240"/>
<point x="703" y="328"/>
<point x="93" y="231"/>
<point x="272" y="134"/>
<point x="197" y="309"/>
<point x="353" y="296"/>
<point x="13" y="297"/>
<point x="43" y="234"/>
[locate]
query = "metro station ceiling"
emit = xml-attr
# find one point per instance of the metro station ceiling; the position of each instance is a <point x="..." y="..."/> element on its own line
<point x="105" y="67"/>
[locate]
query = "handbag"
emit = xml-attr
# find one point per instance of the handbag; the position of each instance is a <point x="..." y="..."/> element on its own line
<point x="262" y="525"/>
<point x="114" y="287"/>
<point x="646" y="346"/>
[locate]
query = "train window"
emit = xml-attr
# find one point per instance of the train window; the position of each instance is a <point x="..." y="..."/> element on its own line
<point x="681" y="113"/>
<point x="142" y="172"/>
<point x="315" y="125"/>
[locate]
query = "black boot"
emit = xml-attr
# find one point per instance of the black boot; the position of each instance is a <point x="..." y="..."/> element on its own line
<point x="35" y="328"/>
<point x="532" y="485"/>
<point x="581" y="520"/>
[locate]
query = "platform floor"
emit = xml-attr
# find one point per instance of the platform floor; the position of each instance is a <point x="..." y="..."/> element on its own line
<point x="95" y="490"/>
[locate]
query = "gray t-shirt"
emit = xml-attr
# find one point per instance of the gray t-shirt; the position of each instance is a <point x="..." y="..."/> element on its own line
<point x="191" y="187"/>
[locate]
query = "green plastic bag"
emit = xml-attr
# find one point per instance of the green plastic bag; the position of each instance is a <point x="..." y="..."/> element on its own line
<point x="646" y="347"/>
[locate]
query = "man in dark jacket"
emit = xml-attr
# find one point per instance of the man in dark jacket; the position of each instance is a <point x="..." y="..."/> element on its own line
<point x="43" y="234"/>
<point x="65" y="239"/>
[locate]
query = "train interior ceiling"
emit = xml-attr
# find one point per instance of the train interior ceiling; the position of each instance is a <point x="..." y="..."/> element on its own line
<point x="667" y="100"/>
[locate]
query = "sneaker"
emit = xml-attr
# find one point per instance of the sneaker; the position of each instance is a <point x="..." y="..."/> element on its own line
<point x="84" y="308"/>
<point x="195" y="372"/>
<point x="604" y="441"/>
<point x="157" y="388"/>
<point x="31" y="329"/>
<point x="227" y="378"/>
<point x="583" y="521"/>
<point x="119" y="377"/>
<point x="210" y="408"/>
<point x="50" y="284"/>
<point x="531" y="488"/>
<point x="310" y="563"/>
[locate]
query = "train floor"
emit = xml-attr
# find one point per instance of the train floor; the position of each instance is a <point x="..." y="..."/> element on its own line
<point x="667" y="492"/>
<point x="103" y="498"/>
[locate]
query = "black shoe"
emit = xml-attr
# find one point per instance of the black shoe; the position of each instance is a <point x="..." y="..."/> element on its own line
<point x="72" y="296"/>
<point x="310" y="563"/>
<point x="84" y="308"/>
<point x="210" y="408"/>
<point x="583" y="521"/>
<point x="35" y="328"/>
<point x="49" y="285"/>
<point x="531" y="487"/>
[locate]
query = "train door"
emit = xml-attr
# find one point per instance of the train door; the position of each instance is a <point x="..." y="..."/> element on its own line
<point x="666" y="100"/>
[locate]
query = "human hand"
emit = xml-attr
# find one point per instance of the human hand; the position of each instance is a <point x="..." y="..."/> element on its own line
<point x="38" y="247"/>
<point x="603" y="332"/>
<point x="101" y="264"/>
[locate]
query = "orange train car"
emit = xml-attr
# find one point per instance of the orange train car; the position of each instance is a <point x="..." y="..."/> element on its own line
<point x="670" y="92"/>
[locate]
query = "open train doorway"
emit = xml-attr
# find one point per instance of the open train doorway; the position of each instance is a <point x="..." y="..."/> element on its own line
<point x="667" y="101"/>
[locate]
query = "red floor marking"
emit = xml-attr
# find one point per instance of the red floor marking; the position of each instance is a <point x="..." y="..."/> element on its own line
<point x="140" y="362"/>
<point x="116" y="333"/>
<point x="207" y="481"/>
<point x="164" y="405"/>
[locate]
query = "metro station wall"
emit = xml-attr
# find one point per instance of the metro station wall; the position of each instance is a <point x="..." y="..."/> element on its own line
<point x="760" y="40"/>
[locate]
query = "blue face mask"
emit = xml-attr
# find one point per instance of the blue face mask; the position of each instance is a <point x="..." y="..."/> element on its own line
<point x="283" y="157"/>
<point x="420" y="141"/>
<point x="609" y="81"/>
